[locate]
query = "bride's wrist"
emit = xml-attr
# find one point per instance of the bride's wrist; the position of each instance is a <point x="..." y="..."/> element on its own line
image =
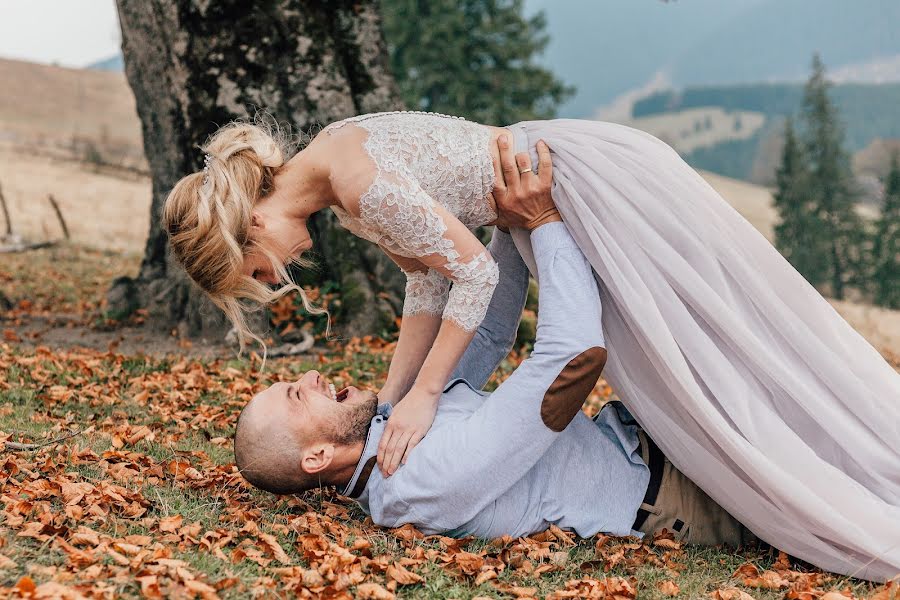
<point x="429" y="388"/>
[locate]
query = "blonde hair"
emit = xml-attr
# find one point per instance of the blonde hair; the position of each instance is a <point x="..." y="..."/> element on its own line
<point x="208" y="215"/>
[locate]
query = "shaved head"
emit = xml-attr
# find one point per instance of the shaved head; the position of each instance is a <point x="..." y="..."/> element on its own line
<point x="279" y="426"/>
<point x="268" y="450"/>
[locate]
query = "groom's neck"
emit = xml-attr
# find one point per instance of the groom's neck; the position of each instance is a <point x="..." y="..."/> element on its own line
<point x="346" y="458"/>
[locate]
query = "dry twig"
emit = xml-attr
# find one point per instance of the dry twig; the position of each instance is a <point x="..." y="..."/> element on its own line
<point x="19" y="446"/>
<point x="59" y="215"/>
<point x="5" y="213"/>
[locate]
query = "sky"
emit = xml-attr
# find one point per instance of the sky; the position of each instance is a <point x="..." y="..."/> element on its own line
<point x="70" y="33"/>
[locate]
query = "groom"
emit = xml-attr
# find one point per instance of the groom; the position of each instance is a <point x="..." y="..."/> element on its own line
<point x="511" y="462"/>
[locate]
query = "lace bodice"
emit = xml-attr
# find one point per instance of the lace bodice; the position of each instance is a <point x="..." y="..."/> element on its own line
<point x="428" y="181"/>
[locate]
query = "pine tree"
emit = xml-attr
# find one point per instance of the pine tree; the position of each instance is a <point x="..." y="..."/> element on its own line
<point x="886" y="250"/>
<point x="473" y="58"/>
<point x="798" y="235"/>
<point x="832" y="187"/>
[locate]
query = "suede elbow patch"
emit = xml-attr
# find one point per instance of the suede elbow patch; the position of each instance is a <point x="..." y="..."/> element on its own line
<point x="567" y="393"/>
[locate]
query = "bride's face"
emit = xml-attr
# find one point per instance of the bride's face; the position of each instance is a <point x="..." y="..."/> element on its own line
<point x="282" y="237"/>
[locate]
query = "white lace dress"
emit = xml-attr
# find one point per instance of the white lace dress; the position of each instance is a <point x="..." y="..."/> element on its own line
<point x="431" y="177"/>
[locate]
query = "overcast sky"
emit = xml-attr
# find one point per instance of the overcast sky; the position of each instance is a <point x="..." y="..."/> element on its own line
<point x="71" y="33"/>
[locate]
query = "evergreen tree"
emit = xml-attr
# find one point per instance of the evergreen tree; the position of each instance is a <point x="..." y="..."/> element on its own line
<point x="832" y="187"/>
<point x="886" y="250"/>
<point x="799" y="233"/>
<point x="473" y="58"/>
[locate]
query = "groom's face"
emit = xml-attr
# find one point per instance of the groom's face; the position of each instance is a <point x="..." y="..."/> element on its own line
<point x="317" y="409"/>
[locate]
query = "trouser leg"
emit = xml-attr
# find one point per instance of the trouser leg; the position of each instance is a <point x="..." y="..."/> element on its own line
<point x="687" y="511"/>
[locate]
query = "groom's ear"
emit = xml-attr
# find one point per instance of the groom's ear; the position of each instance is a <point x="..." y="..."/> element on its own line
<point x="317" y="458"/>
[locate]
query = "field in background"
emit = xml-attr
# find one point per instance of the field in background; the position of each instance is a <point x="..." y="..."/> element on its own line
<point x="694" y="128"/>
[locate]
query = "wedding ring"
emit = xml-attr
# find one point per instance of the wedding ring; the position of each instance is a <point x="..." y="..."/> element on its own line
<point x="528" y="170"/>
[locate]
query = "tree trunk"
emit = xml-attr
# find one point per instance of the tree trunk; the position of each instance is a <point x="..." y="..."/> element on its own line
<point x="194" y="65"/>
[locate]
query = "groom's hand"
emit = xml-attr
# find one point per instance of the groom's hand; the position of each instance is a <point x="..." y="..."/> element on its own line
<point x="523" y="197"/>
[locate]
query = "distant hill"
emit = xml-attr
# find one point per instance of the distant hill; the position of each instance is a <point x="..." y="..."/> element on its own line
<point x="70" y="113"/>
<point x="868" y="112"/>
<point x="113" y="63"/>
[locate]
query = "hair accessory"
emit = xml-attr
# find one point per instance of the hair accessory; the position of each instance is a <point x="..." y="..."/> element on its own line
<point x="206" y="160"/>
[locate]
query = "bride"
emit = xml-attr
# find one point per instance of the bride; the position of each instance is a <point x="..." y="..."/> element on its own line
<point x="744" y="375"/>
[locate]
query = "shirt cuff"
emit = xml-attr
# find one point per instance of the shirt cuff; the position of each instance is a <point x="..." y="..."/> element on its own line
<point x="552" y="236"/>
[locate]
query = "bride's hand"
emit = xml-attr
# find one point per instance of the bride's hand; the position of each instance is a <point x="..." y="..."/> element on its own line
<point x="410" y="420"/>
<point x="523" y="197"/>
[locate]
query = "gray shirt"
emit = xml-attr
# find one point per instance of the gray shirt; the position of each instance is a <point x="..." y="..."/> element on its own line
<point x="524" y="457"/>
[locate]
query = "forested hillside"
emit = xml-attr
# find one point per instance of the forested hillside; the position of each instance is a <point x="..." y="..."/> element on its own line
<point x="868" y="112"/>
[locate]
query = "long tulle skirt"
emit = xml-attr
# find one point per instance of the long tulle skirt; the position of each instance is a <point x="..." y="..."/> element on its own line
<point x="744" y="375"/>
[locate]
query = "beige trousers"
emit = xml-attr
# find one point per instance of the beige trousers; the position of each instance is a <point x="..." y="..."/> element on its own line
<point x="686" y="510"/>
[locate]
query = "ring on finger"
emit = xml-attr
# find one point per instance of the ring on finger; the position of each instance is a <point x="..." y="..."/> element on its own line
<point x="528" y="170"/>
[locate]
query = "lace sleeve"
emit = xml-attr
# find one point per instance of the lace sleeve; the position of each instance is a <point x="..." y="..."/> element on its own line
<point x="412" y="224"/>
<point x="426" y="289"/>
<point x="427" y="293"/>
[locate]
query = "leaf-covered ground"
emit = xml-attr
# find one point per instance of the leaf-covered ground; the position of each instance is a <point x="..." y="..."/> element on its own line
<point x="143" y="498"/>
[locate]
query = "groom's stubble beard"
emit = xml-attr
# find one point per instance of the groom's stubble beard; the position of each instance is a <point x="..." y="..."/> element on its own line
<point x="354" y="423"/>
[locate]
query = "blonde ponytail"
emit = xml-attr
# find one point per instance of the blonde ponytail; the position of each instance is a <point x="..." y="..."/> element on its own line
<point x="208" y="215"/>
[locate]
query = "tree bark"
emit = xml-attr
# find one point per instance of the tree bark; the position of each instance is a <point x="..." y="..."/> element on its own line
<point x="194" y="65"/>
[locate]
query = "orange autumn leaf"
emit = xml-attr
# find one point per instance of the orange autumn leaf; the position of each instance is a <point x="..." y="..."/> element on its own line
<point x="274" y="548"/>
<point x="26" y="586"/>
<point x="769" y="580"/>
<point x="890" y="591"/>
<point x="668" y="588"/>
<point x="170" y="524"/>
<point x="373" y="591"/>
<point x="402" y="575"/>
<point x="468" y="563"/>
<point x="485" y="576"/>
<point x="730" y="594"/>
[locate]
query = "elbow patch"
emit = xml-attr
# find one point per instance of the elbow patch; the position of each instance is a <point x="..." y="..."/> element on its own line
<point x="570" y="389"/>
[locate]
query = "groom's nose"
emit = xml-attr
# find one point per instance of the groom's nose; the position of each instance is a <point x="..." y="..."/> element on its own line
<point x="312" y="379"/>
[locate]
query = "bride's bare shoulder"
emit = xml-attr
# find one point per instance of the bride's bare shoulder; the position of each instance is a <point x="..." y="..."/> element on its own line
<point x="352" y="170"/>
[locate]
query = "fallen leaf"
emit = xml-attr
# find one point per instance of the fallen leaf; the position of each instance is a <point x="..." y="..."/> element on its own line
<point x="26" y="586"/>
<point x="402" y="575"/>
<point x="170" y="524"/>
<point x="668" y="588"/>
<point x="485" y="576"/>
<point x="275" y="548"/>
<point x="373" y="591"/>
<point x="769" y="580"/>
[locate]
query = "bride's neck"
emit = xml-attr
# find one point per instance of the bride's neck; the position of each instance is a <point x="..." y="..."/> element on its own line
<point x="303" y="183"/>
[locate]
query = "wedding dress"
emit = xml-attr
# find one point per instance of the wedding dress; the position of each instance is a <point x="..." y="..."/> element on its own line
<point x="743" y="374"/>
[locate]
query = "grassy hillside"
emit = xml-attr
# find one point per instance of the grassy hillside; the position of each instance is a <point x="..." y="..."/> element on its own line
<point x="868" y="112"/>
<point x="69" y="113"/>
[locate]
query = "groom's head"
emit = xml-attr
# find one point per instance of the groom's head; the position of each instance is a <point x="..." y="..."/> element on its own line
<point x="295" y="436"/>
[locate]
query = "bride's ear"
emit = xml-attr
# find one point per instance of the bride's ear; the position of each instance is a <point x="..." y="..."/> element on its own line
<point x="257" y="221"/>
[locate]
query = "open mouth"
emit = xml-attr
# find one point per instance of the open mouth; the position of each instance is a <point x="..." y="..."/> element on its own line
<point x="338" y="396"/>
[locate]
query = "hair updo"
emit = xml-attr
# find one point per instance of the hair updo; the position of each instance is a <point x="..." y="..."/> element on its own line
<point x="208" y="215"/>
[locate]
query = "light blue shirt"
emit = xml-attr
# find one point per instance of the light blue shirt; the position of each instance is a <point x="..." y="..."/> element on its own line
<point x="490" y="466"/>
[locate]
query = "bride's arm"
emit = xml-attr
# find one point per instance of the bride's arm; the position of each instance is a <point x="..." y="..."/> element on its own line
<point x="424" y="301"/>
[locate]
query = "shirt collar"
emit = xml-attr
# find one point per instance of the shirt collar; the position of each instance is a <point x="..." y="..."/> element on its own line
<point x="366" y="463"/>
